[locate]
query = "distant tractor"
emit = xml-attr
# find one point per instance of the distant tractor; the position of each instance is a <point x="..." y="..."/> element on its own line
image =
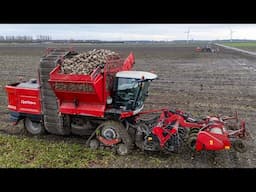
<point x="207" y="49"/>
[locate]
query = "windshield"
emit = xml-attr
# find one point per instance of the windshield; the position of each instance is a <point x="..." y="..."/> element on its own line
<point x="126" y="84"/>
<point x="131" y="93"/>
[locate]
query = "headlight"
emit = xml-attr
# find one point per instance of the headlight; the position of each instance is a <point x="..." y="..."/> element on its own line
<point x="109" y="100"/>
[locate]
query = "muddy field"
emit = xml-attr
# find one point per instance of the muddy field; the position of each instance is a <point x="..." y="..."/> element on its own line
<point x="199" y="83"/>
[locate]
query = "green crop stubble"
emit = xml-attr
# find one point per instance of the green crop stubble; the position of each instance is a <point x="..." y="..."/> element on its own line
<point x="240" y="44"/>
<point x="21" y="152"/>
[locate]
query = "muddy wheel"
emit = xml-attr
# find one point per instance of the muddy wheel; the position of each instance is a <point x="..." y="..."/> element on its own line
<point x="94" y="144"/>
<point x="122" y="149"/>
<point x="109" y="132"/>
<point x="35" y="128"/>
<point x="115" y="135"/>
<point x="191" y="142"/>
<point x="239" y="146"/>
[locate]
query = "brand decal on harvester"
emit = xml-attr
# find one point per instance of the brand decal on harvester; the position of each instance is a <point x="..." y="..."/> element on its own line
<point x="28" y="102"/>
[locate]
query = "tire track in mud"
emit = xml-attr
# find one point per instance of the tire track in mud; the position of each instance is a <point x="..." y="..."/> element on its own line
<point x="245" y="159"/>
<point x="224" y="77"/>
<point x="251" y="128"/>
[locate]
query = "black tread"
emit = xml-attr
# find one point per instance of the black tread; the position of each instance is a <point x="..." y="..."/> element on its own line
<point x="50" y="106"/>
<point x="43" y="77"/>
<point x="51" y="113"/>
<point x="47" y="86"/>
<point x="45" y="71"/>
<point x="53" y="122"/>
<point x="50" y="120"/>
<point x="50" y="99"/>
<point x="47" y="64"/>
<point x="48" y="92"/>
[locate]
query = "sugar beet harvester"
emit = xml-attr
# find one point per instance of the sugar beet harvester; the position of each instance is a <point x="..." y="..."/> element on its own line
<point x="106" y="105"/>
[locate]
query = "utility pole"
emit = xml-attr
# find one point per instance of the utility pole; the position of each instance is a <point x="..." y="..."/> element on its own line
<point x="188" y="31"/>
<point x="231" y="34"/>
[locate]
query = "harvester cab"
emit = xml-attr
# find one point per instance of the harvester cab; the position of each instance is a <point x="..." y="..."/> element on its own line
<point x="131" y="89"/>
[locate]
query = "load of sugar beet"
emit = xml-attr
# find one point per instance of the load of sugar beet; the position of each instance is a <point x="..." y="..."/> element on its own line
<point x="85" y="62"/>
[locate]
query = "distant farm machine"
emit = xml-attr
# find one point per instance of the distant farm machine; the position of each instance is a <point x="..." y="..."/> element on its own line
<point x="207" y="49"/>
<point x="106" y="105"/>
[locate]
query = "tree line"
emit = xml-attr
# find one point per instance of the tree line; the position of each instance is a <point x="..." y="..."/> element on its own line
<point x="22" y="38"/>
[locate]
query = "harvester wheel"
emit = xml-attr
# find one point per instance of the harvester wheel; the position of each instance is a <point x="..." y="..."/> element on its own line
<point x="113" y="134"/>
<point x="94" y="144"/>
<point x="239" y="146"/>
<point x="122" y="149"/>
<point x="191" y="142"/>
<point x="35" y="128"/>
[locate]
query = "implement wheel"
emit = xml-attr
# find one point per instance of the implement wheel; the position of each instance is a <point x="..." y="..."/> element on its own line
<point x="122" y="149"/>
<point x="239" y="146"/>
<point x="191" y="142"/>
<point x="94" y="144"/>
<point x="34" y="128"/>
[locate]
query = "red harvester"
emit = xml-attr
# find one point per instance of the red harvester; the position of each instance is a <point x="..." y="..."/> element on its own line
<point x="106" y="105"/>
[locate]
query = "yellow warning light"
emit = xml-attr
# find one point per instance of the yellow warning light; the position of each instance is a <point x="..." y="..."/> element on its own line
<point x="227" y="147"/>
<point x="150" y="138"/>
<point x="211" y="142"/>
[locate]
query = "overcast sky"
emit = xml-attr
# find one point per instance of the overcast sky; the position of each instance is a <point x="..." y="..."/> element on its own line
<point x="166" y="32"/>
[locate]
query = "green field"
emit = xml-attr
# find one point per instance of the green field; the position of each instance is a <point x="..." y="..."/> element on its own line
<point x="27" y="152"/>
<point x="241" y="44"/>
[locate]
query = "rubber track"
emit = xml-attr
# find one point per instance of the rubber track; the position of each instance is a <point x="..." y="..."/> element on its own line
<point x="53" y="122"/>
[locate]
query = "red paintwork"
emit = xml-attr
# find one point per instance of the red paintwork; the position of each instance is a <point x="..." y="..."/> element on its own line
<point x="212" y="141"/>
<point x="124" y="115"/>
<point x="166" y="118"/>
<point x="182" y="121"/>
<point x="90" y="102"/>
<point x="207" y="138"/>
<point x="62" y="83"/>
<point x="82" y="109"/>
<point x="91" y="92"/>
<point x="169" y="117"/>
<point x="23" y="100"/>
<point x="159" y="132"/>
<point x="108" y="142"/>
<point x="88" y="98"/>
<point x="129" y="62"/>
